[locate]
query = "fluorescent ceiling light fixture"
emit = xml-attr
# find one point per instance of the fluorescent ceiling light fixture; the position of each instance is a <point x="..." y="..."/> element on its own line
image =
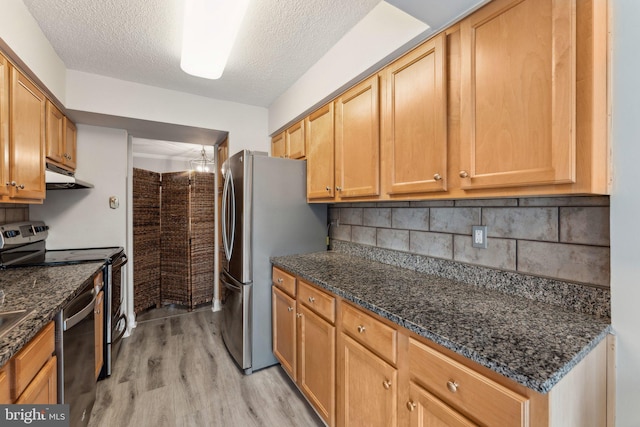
<point x="210" y="28"/>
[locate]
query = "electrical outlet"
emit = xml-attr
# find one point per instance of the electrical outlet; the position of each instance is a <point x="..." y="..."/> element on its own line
<point x="479" y="236"/>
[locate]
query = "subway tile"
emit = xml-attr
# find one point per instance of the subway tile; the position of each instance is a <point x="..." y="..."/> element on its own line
<point x="363" y="235"/>
<point x="586" y="225"/>
<point x="500" y="253"/>
<point x="485" y="202"/>
<point x="565" y="201"/>
<point x="454" y="220"/>
<point x="333" y="213"/>
<point x="393" y="239"/>
<point x="377" y="217"/>
<point x="410" y="218"/>
<point x="432" y="203"/>
<point x="439" y="245"/>
<point x="340" y="232"/>
<point x="351" y="216"/>
<point x="522" y="223"/>
<point x="578" y="263"/>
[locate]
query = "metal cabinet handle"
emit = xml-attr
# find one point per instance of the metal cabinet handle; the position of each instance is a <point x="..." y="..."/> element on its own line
<point x="280" y="280"/>
<point x="464" y="174"/>
<point x="21" y="187"/>
<point x="361" y="329"/>
<point x="339" y="188"/>
<point x="452" y="386"/>
<point x="312" y="300"/>
<point x="12" y="183"/>
<point x="328" y="188"/>
<point x="386" y="384"/>
<point x="411" y="405"/>
<point x="289" y="308"/>
<point x="298" y="314"/>
<point x="437" y="177"/>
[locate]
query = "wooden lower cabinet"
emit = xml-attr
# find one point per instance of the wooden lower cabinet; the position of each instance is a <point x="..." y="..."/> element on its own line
<point x="284" y="331"/>
<point x="426" y="410"/>
<point x="368" y="387"/>
<point x="30" y="377"/>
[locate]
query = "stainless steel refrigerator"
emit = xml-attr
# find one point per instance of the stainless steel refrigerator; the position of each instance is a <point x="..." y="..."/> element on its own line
<point x="264" y="214"/>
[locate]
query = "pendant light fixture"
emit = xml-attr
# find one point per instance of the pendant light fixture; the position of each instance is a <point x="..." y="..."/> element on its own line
<point x="203" y="163"/>
<point x="210" y="28"/>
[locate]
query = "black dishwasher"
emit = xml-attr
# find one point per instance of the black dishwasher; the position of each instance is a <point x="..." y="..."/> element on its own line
<point x="75" y="336"/>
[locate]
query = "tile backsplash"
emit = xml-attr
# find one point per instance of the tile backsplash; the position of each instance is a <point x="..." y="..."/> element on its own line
<point x="13" y="213"/>
<point x="562" y="238"/>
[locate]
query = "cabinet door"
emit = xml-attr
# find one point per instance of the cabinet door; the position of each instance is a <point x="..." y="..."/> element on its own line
<point x="4" y="126"/>
<point x="320" y="142"/>
<point x="317" y="351"/>
<point x="414" y="152"/>
<point x="369" y="387"/>
<point x="70" y="144"/>
<point x="284" y="331"/>
<point x="99" y="331"/>
<point x="358" y="141"/>
<point x="294" y="141"/>
<point x="427" y="411"/>
<point x="55" y="133"/>
<point x="43" y="389"/>
<point x="27" y="136"/>
<point x="278" y="148"/>
<point x="518" y="94"/>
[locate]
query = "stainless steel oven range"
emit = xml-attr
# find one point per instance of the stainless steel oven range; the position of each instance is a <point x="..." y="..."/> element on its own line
<point x="23" y="244"/>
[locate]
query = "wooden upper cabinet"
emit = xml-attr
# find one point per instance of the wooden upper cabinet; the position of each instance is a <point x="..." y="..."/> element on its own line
<point x="294" y="141"/>
<point x="70" y="144"/>
<point x="278" y="147"/>
<point x="414" y="147"/>
<point x="55" y="133"/>
<point x="518" y="94"/>
<point x="319" y="131"/>
<point x="27" y="139"/>
<point x="4" y="126"/>
<point x="357" y="141"/>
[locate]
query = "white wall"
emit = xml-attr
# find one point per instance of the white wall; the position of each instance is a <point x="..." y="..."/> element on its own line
<point x="246" y="124"/>
<point x="625" y="207"/>
<point x="21" y="32"/>
<point x="160" y="165"/>
<point x="82" y="218"/>
<point x="384" y="30"/>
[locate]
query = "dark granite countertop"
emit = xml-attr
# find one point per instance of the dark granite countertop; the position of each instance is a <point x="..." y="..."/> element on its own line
<point x="45" y="290"/>
<point x="533" y="343"/>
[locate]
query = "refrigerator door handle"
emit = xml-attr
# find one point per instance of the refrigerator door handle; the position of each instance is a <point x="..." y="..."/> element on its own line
<point x="228" y="202"/>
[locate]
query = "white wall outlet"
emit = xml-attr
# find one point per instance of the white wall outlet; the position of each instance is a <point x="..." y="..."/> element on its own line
<point x="479" y="236"/>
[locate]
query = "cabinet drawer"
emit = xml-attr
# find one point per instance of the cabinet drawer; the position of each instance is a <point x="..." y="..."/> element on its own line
<point x="322" y="304"/>
<point x="5" y="396"/>
<point x="31" y="358"/>
<point x="284" y="281"/>
<point x="471" y="393"/>
<point x="372" y="333"/>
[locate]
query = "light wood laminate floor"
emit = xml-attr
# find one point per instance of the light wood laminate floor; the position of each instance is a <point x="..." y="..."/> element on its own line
<point x="175" y="371"/>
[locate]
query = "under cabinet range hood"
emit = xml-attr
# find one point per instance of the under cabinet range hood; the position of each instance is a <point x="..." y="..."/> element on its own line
<point x="59" y="179"/>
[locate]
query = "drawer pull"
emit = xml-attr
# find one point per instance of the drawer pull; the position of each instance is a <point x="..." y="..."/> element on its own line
<point x="452" y="386"/>
<point x="437" y="177"/>
<point x="280" y="280"/>
<point x="361" y="329"/>
<point x="289" y="308"/>
<point x="311" y="299"/>
<point x="386" y="384"/>
<point x="464" y="174"/>
<point x="411" y="405"/>
<point x="298" y="315"/>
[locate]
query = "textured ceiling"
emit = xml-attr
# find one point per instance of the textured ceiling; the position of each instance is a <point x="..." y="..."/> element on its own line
<point x="139" y="41"/>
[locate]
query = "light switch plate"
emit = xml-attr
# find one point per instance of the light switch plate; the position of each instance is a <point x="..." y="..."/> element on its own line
<point x="479" y="236"/>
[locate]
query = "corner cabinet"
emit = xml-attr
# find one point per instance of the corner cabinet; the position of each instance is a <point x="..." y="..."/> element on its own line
<point x="414" y="121"/>
<point x="357" y="141"/>
<point x="290" y="144"/>
<point x="22" y="137"/>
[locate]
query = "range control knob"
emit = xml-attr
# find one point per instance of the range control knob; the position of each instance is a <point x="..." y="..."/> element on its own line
<point x="11" y="233"/>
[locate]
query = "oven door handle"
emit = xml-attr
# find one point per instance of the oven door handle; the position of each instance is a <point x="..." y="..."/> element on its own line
<point x="123" y="260"/>
<point x="70" y="322"/>
<point x="121" y="333"/>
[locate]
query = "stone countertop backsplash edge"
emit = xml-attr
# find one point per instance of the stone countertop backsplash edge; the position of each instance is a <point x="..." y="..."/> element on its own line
<point x="45" y="290"/>
<point x="531" y="342"/>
